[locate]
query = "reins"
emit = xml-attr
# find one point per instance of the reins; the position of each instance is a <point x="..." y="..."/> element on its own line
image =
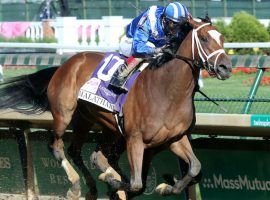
<point x="187" y="60"/>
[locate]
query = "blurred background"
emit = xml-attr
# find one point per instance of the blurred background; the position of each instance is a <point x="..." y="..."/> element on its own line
<point x="33" y="10"/>
<point x="36" y="34"/>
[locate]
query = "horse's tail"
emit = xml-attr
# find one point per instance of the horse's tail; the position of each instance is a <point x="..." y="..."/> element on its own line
<point x="27" y="93"/>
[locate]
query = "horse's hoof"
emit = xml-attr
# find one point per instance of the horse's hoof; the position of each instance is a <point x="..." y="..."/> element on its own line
<point x="105" y="177"/>
<point x="31" y="195"/>
<point x="121" y="195"/>
<point x="136" y="187"/>
<point x="101" y="177"/>
<point x="164" y="189"/>
<point x="72" y="196"/>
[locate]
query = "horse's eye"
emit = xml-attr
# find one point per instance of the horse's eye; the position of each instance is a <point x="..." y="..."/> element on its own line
<point x="204" y="39"/>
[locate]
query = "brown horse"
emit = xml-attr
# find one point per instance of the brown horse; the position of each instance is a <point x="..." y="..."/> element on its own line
<point x="158" y="112"/>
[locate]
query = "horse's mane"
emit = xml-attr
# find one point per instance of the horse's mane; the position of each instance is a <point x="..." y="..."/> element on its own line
<point x="171" y="49"/>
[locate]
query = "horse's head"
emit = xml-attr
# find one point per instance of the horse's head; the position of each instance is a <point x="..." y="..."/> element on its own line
<point x="207" y="46"/>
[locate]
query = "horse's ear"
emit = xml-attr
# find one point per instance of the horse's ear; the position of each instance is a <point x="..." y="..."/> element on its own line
<point x="207" y="19"/>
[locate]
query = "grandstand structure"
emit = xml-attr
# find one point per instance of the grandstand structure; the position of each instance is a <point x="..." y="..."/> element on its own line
<point x="33" y="10"/>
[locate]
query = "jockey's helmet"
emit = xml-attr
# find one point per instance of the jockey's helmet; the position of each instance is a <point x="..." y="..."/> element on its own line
<point x="175" y="15"/>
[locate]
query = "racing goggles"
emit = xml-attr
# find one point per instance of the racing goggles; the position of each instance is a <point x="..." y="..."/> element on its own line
<point x="173" y="26"/>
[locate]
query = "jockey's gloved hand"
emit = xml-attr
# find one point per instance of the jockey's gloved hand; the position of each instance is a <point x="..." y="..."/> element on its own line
<point x="168" y="51"/>
<point x="158" y="51"/>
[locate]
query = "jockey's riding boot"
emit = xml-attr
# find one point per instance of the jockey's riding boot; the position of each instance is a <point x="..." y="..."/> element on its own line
<point x="119" y="77"/>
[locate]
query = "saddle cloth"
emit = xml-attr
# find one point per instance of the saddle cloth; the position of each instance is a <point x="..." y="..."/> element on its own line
<point x="97" y="90"/>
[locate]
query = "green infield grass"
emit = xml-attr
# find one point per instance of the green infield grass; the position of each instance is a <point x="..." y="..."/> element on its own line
<point x="237" y="87"/>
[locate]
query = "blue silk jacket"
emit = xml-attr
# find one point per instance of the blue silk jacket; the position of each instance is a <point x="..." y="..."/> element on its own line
<point x="147" y="27"/>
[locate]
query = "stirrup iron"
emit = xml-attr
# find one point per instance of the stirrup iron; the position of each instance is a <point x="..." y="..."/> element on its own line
<point x="119" y="77"/>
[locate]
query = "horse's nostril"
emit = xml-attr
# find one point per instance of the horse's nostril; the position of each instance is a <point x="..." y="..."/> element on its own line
<point x="224" y="71"/>
<point x="225" y="67"/>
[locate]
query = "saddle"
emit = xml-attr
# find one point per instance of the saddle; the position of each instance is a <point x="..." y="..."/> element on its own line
<point x="97" y="91"/>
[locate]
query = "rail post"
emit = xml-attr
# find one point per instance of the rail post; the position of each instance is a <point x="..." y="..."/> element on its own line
<point x="1" y="74"/>
<point x="253" y="90"/>
<point x="31" y="189"/>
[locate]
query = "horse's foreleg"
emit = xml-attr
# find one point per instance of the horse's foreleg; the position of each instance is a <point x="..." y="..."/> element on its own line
<point x="135" y="151"/>
<point x="60" y="124"/>
<point x="147" y="159"/>
<point x="183" y="149"/>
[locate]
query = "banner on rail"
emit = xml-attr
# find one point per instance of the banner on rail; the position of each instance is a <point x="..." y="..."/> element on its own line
<point x="234" y="169"/>
<point x="52" y="180"/>
<point x="11" y="169"/>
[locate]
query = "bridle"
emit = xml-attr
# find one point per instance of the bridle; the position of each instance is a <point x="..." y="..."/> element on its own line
<point x="204" y="58"/>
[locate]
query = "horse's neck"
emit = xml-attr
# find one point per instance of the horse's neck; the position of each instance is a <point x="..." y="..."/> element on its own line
<point x="173" y="82"/>
<point x="177" y="76"/>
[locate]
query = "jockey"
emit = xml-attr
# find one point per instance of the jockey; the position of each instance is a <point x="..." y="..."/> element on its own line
<point x="146" y="34"/>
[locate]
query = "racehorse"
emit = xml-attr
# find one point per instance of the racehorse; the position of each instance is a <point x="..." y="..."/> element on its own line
<point x="158" y="113"/>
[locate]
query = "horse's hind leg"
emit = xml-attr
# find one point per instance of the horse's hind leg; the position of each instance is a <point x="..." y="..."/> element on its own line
<point x="81" y="128"/>
<point x="62" y="114"/>
<point x="63" y="102"/>
<point x="183" y="149"/>
<point x="106" y="157"/>
<point x="60" y="124"/>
